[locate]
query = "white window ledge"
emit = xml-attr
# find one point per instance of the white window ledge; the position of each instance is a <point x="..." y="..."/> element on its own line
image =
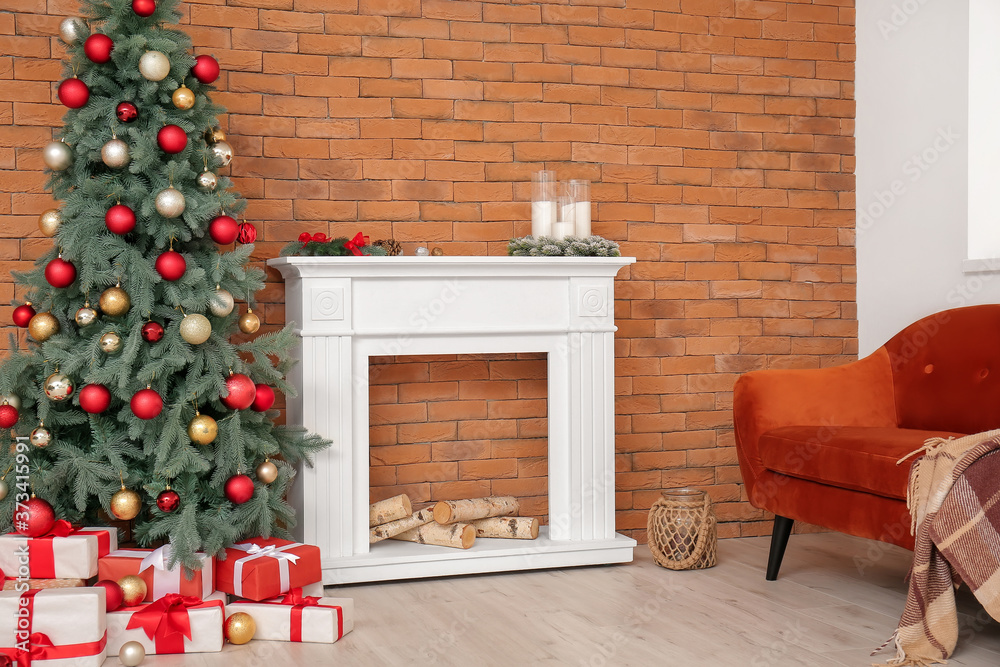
<point x="989" y="265"/>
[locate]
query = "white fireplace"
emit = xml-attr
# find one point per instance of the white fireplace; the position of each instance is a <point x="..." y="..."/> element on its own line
<point x="352" y="308"/>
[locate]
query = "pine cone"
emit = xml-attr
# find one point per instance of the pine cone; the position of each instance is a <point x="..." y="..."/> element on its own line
<point x="392" y="246"/>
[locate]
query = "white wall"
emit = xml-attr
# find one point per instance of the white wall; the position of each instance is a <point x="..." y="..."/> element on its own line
<point x="912" y="165"/>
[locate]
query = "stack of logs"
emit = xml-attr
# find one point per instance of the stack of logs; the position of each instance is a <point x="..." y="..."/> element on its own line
<point x="450" y="523"/>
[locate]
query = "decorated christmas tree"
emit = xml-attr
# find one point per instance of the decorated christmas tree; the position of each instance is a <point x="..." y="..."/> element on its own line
<point x="138" y="404"/>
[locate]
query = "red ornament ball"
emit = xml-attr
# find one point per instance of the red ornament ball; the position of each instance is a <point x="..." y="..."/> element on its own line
<point x="205" y="69"/>
<point x="120" y="219"/>
<point x="239" y="489"/>
<point x="113" y="597"/>
<point x="37" y="518"/>
<point x="22" y="315"/>
<point x="146" y="404"/>
<point x="241" y="392"/>
<point x="8" y="415"/>
<point x="172" y="139"/>
<point x="248" y="233"/>
<point x="73" y="93"/>
<point x="126" y="112"/>
<point x="223" y="229"/>
<point x="171" y="265"/>
<point x="264" y="398"/>
<point x="95" y="398"/>
<point x="144" y="7"/>
<point x="60" y="273"/>
<point x="98" y="47"/>
<point x="168" y="500"/>
<point x="152" y="332"/>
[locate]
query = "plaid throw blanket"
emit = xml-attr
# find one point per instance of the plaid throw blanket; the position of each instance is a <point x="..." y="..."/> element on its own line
<point x="955" y="508"/>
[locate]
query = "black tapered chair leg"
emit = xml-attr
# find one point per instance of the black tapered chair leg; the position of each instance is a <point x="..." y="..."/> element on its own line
<point x="779" y="540"/>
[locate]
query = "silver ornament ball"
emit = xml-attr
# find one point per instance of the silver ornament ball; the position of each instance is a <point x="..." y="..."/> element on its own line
<point x="85" y="316"/>
<point x="72" y="30"/>
<point x="170" y="203"/>
<point x="222" y="303"/>
<point x="115" y="154"/>
<point x="41" y="437"/>
<point x="154" y="66"/>
<point x="58" y="387"/>
<point x="196" y="328"/>
<point x="223" y="152"/>
<point x="132" y="654"/>
<point x="57" y="156"/>
<point x="110" y="342"/>
<point x="207" y="180"/>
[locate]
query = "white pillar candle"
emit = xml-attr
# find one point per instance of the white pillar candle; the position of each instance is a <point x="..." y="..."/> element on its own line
<point x="543" y="216"/>
<point x="561" y="230"/>
<point x="583" y="219"/>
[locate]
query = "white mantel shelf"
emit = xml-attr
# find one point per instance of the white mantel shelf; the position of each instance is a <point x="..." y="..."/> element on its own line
<point x="349" y="309"/>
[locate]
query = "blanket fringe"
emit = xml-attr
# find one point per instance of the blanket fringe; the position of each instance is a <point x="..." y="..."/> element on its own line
<point x="929" y="447"/>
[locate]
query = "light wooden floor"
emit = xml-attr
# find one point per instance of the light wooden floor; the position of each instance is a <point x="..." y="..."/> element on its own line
<point x="837" y="599"/>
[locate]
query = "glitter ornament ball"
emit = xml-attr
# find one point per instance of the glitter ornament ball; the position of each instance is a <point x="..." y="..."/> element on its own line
<point x="249" y="322"/>
<point x="207" y="180"/>
<point x="133" y="590"/>
<point x="58" y="387"/>
<point x="195" y="328"/>
<point x="95" y="398"/>
<point x="203" y="430"/>
<point x="152" y="332"/>
<point x="205" y="69"/>
<point x="98" y="48"/>
<point x="183" y="98"/>
<point x="146" y="404"/>
<point x="43" y="326"/>
<point x="85" y="316"/>
<point x="144" y="8"/>
<point x="223" y="229"/>
<point x="73" y="93"/>
<point x="41" y="437"/>
<point x="57" y="156"/>
<point x="120" y="219"/>
<point x="125" y="504"/>
<point x="222" y="303"/>
<point x="171" y="265"/>
<point x="49" y="222"/>
<point x="8" y="415"/>
<point x="172" y="139"/>
<point x="223" y="152"/>
<point x="22" y="315"/>
<point x="239" y="489"/>
<point x="41" y="518"/>
<point x="110" y="342"/>
<point x="114" y="301"/>
<point x="240" y="392"/>
<point x="247" y="234"/>
<point x="113" y="594"/>
<point x="131" y="654"/>
<point x="170" y="202"/>
<point x="154" y="66"/>
<point x="126" y="112"/>
<point x="168" y="500"/>
<point x="115" y="154"/>
<point x="72" y="30"/>
<point x="60" y="273"/>
<point x="4" y="489"/>
<point x="267" y="472"/>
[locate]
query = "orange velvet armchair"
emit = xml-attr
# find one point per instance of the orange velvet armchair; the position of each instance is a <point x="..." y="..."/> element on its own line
<point x="821" y="445"/>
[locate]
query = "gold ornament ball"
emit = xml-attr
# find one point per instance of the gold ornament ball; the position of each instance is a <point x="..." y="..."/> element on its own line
<point x="58" y="387"/>
<point x="57" y="156"/>
<point x="110" y="343"/>
<point x="222" y="303"/>
<point x="240" y="628"/>
<point x="249" y="322"/>
<point x="267" y="472"/>
<point x="223" y="152"/>
<point x="195" y="328"/>
<point x="43" y="326"/>
<point x="154" y="66"/>
<point x="183" y="98"/>
<point x="132" y="654"/>
<point x="85" y="316"/>
<point x="207" y="180"/>
<point x="41" y="437"/>
<point x="133" y="589"/>
<point x="49" y="222"/>
<point x="115" y="154"/>
<point x="170" y="202"/>
<point x="114" y="301"/>
<point x="125" y="504"/>
<point x="214" y="135"/>
<point x="202" y="430"/>
<point x="437" y="252"/>
<point x="4" y="489"/>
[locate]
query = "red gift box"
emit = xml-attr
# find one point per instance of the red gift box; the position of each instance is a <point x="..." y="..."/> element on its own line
<point x="151" y="566"/>
<point x="259" y="569"/>
<point x="64" y="553"/>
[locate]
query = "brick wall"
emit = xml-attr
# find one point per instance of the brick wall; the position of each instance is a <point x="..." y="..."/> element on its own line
<point x="718" y="135"/>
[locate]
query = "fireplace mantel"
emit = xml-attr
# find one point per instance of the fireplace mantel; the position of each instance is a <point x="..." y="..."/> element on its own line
<point x="349" y="309"/>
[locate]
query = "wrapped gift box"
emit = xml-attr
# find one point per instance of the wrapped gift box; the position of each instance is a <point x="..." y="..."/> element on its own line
<point x="151" y="565"/>
<point x="299" y="618"/>
<point x="62" y="627"/>
<point x="261" y="569"/>
<point x="171" y="624"/>
<point x="42" y="584"/>
<point x="66" y="553"/>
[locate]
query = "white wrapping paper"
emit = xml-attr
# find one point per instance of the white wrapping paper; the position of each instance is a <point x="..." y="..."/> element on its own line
<point x="319" y="623"/>
<point x="73" y="557"/>
<point x="206" y="629"/>
<point x="68" y="616"/>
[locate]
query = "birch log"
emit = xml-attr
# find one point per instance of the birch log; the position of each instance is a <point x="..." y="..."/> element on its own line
<point x="390" y="509"/>
<point x="458" y="535"/>
<point x="454" y="511"/>
<point x="393" y="528"/>
<point x="509" y="527"/>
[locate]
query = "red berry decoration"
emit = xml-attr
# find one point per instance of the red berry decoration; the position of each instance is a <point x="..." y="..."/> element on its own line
<point x="8" y="415"/>
<point x="60" y="273"/>
<point x="168" y="500"/>
<point x="206" y="69"/>
<point x="241" y="392"/>
<point x="143" y="7"/>
<point x="126" y="112"/>
<point x="95" y="398"/>
<point x="172" y="139"/>
<point x="152" y="332"/>
<point x="73" y="93"/>
<point x="223" y="229"/>
<point x="23" y="314"/>
<point x="248" y="233"/>
<point x="263" y="399"/>
<point x="41" y="518"/>
<point x="98" y="47"/>
<point x="146" y="404"/>
<point x="239" y="489"/>
<point x="171" y="265"/>
<point x="113" y="598"/>
<point x="120" y="219"/>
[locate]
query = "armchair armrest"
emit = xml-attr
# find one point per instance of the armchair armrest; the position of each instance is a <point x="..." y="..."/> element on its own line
<point x="856" y="394"/>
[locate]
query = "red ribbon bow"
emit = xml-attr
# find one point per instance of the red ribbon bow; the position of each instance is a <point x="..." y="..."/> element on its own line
<point x="40" y="647"/>
<point x="61" y="528"/>
<point x="355" y="244"/>
<point x="166" y="621"/>
<point x="298" y="603"/>
<point x="295" y="597"/>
